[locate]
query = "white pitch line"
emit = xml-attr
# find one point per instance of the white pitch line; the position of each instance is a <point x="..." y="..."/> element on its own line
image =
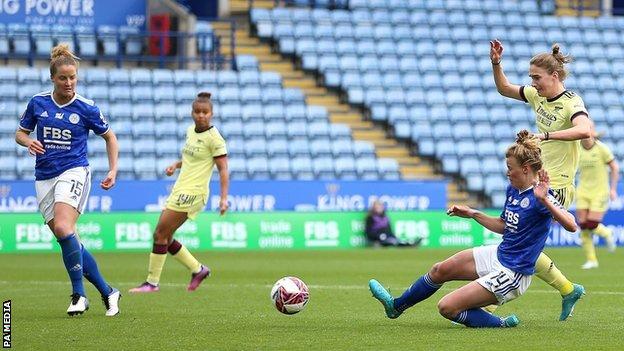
<point x="319" y="287"/>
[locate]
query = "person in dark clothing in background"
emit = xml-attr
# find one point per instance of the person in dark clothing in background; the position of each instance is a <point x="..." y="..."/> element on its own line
<point x="378" y="230"/>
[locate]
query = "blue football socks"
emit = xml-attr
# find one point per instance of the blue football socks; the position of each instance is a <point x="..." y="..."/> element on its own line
<point x="92" y="273"/>
<point x="478" y="318"/>
<point x="72" y="257"/>
<point x="420" y="290"/>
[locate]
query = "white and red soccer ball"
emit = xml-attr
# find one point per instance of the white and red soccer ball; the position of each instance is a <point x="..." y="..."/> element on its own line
<point x="290" y="295"/>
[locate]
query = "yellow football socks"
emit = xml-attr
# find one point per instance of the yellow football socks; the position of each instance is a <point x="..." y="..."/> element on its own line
<point x="546" y="270"/>
<point x="587" y="243"/>
<point x="184" y="256"/>
<point x="603" y="231"/>
<point x="156" y="263"/>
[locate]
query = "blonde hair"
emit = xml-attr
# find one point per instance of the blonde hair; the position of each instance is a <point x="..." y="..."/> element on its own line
<point x="61" y="55"/>
<point x="553" y="61"/>
<point x="526" y="150"/>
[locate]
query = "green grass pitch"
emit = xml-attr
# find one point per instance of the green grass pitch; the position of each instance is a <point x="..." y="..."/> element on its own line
<point x="232" y="309"/>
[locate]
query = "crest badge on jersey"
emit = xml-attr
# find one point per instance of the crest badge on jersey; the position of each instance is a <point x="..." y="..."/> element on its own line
<point x="74" y="118"/>
<point x="525" y="202"/>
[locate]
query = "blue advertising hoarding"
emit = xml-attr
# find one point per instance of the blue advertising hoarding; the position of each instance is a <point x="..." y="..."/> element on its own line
<point x="75" y="12"/>
<point x="250" y="196"/>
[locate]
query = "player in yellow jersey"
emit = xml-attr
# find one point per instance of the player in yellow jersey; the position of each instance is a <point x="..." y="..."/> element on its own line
<point x="593" y="193"/>
<point x="562" y="121"/>
<point x="204" y="149"/>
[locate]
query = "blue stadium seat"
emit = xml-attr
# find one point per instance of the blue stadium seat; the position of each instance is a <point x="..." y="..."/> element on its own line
<point x="280" y="168"/>
<point x="270" y="79"/>
<point x="345" y="168"/>
<point x="109" y="38"/>
<point x="320" y="148"/>
<point x="19" y="34"/>
<point x="258" y="168"/>
<point x="185" y="77"/>
<point x="145" y="168"/>
<point x="119" y="77"/>
<point x="277" y="147"/>
<point x="302" y="168"/>
<point x="255" y="146"/>
<point x="167" y="147"/>
<point x="86" y="41"/>
<point x="42" y="38"/>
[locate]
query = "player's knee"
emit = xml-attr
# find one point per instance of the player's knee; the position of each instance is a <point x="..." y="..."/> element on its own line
<point x="161" y="235"/>
<point x="439" y="272"/>
<point x="591" y="225"/>
<point x="63" y="229"/>
<point x="447" y="309"/>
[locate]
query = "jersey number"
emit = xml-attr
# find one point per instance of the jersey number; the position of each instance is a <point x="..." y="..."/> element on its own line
<point x="76" y="187"/>
<point x="501" y="279"/>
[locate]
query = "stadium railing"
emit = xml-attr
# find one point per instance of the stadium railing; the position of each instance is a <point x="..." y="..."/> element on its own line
<point x="330" y="4"/>
<point x="120" y="45"/>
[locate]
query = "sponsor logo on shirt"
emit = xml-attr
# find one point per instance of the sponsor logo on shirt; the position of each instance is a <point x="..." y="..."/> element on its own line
<point x="59" y="115"/>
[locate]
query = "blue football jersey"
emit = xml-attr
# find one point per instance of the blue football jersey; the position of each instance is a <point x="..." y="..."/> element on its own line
<point x="527" y="225"/>
<point x="63" y="130"/>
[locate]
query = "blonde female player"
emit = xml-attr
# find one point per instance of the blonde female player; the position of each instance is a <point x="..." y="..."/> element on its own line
<point x="62" y="176"/>
<point x="593" y="195"/>
<point x="562" y="121"/>
<point x="499" y="273"/>
<point x="204" y="149"/>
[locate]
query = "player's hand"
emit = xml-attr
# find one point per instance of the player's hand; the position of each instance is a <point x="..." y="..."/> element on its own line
<point x="35" y="147"/>
<point x="613" y="194"/>
<point x="496" y="50"/>
<point x="460" y="211"/>
<point x="540" y="189"/>
<point x="109" y="181"/>
<point x="170" y="170"/>
<point x="223" y="206"/>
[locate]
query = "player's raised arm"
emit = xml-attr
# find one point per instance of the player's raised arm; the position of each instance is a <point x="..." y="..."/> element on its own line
<point x="503" y="85"/>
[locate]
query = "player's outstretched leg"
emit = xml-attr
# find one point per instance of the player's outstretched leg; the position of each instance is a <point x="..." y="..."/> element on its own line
<point x="478" y="318"/>
<point x="546" y="270"/>
<point x="110" y="295"/>
<point x="199" y="272"/>
<point x="607" y="234"/>
<point x="383" y="296"/>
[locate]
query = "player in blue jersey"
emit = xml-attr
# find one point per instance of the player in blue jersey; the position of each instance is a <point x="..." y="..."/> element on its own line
<point x="499" y="273"/>
<point x="62" y="178"/>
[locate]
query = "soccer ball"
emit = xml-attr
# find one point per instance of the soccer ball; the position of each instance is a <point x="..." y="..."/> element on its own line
<point x="290" y="295"/>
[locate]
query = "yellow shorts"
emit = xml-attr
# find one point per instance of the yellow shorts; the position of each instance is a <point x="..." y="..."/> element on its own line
<point x="593" y="202"/>
<point x="192" y="204"/>
<point x="565" y="196"/>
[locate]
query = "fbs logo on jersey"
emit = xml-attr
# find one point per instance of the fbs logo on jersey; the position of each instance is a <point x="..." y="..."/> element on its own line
<point x="59" y="115"/>
<point x="44" y="114"/>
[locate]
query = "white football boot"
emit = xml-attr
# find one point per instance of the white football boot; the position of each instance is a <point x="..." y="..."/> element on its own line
<point x="590" y="265"/>
<point x="111" y="302"/>
<point x="78" y="305"/>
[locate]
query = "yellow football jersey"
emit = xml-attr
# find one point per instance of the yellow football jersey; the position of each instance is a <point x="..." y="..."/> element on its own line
<point x="561" y="158"/>
<point x="594" y="174"/>
<point x="198" y="160"/>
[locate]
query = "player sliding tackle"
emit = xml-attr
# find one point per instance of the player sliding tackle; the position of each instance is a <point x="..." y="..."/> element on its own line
<point x="499" y="273"/>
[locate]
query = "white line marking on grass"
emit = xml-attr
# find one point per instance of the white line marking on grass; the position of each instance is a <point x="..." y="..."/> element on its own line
<point x="319" y="287"/>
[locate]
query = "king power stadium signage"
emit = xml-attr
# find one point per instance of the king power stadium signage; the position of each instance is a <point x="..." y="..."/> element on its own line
<point x="132" y="231"/>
